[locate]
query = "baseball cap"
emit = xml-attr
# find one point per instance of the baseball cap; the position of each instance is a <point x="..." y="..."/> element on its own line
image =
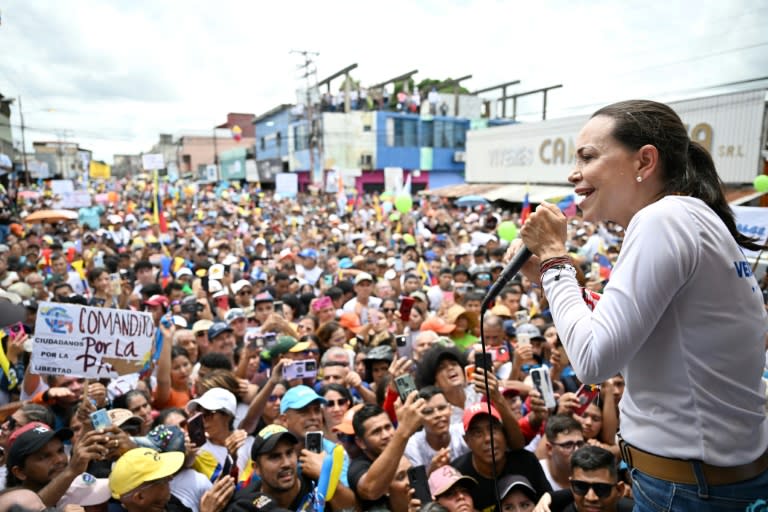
<point x="345" y="426"/>
<point x="141" y="465"/>
<point x="363" y="276"/>
<point x="233" y="314"/>
<point x="345" y="263"/>
<point x="478" y="409"/>
<point x="263" y="297"/>
<point x="254" y="502"/>
<point x="218" y="328"/>
<point x="215" y="399"/>
<point x="438" y="325"/>
<point x="350" y="321"/>
<point x="445" y="477"/>
<point x="380" y="353"/>
<point x="31" y="438"/>
<point x="530" y="329"/>
<point x="163" y="438"/>
<point x="120" y="417"/>
<point x="509" y="482"/>
<point x="321" y="303"/>
<point x="183" y="271"/>
<point x="216" y="271"/>
<point x="308" y="253"/>
<point x="239" y="285"/>
<point x="157" y="300"/>
<point x="86" y="490"/>
<point x="201" y="325"/>
<point x="268" y="438"/>
<point x="299" y="397"/>
<point x="282" y="345"/>
<point x="300" y="347"/>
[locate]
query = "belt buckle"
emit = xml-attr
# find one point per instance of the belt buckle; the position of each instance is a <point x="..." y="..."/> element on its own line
<point x="625" y="452"/>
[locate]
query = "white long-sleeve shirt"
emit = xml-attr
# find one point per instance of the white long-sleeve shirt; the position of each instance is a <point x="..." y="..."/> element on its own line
<point x="683" y="319"/>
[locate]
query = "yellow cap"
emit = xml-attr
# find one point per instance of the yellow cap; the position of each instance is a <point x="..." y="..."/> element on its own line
<point x="142" y="465"/>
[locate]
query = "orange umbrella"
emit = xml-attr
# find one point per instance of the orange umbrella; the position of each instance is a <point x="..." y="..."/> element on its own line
<point x="51" y="216"/>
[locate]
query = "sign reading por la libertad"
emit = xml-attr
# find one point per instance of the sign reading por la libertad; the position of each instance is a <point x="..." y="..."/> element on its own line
<point x="90" y="342"/>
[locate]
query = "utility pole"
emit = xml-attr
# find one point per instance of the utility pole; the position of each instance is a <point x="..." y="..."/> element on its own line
<point x="309" y="74"/>
<point x="23" y="144"/>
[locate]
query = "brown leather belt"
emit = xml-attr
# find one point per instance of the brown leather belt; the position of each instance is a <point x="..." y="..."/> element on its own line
<point x="682" y="471"/>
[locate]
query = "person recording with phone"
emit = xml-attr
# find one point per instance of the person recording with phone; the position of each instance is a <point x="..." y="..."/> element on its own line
<point x="693" y="423"/>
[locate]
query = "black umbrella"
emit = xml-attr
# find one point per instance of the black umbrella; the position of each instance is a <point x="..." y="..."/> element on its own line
<point x="11" y="313"/>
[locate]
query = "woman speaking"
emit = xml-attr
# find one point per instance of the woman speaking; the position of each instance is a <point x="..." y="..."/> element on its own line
<point x="682" y="317"/>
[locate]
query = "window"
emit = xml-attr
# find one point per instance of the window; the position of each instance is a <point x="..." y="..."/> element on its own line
<point x="300" y="139"/>
<point x="263" y="143"/>
<point x="404" y="132"/>
<point x="427" y="134"/>
<point x="460" y="136"/>
<point x="439" y="137"/>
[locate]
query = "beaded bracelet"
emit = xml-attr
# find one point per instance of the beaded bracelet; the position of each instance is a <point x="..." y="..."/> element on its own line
<point x="559" y="263"/>
<point x="554" y="262"/>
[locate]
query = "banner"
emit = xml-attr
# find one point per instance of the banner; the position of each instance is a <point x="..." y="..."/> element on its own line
<point x="73" y="200"/>
<point x="99" y="170"/>
<point x="287" y="184"/>
<point x="752" y="221"/>
<point x="152" y="161"/>
<point x="81" y="341"/>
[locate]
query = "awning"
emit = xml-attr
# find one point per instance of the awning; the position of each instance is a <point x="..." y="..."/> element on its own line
<point x="513" y="193"/>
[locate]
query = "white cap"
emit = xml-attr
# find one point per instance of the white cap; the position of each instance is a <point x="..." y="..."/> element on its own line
<point x="259" y="241"/>
<point x="183" y="271"/>
<point x="214" y="286"/>
<point x="239" y="285"/>
<point x="86" y="490"/>
<point x="216" y="271"/>
<point x="229" y="260"/>
<point x="216" y="399"/>
<point x="363" y="276"/>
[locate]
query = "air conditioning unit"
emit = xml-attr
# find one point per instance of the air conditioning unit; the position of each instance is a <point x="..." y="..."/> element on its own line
<point x="366" y="161"/>
<point x="459" y="156"/>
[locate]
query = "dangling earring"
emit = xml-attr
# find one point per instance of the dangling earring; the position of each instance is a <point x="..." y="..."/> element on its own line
<point x="639" y="179"/>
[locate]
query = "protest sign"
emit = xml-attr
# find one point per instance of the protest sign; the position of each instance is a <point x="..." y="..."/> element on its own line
<point x="82" y="341"/>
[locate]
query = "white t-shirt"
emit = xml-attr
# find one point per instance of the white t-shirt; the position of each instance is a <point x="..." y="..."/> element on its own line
<point x="545" y="467"/>
<point x="683" y="319"/>
<point x="189" y="486"/>
<point x="419" y="452"/>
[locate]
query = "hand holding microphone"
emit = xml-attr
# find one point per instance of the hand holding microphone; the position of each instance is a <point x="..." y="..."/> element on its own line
<point x="545" y="232"/>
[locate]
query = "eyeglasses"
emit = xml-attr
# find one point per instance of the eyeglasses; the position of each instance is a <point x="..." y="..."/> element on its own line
<point x="602" y="490"/>
<point x="570" y="445"/>
<point x="429" y="411"/>
<point x="341" y="402"/>
<point x="274" y="398"/>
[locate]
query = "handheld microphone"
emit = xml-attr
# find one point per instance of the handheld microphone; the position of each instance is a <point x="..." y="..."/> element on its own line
<point x="507" y="274"/>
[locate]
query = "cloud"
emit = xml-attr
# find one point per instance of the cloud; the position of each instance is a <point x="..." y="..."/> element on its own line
<point x="120" y="73"/>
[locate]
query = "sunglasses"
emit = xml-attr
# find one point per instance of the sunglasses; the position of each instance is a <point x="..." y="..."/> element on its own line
<point x="207" y="414"/>
<point x="581" y="488"/>
<point x="244" y="293"/>
<point x="274" y="398"/>
<point x="341" y="402"/>
<point x="388" y="310"/>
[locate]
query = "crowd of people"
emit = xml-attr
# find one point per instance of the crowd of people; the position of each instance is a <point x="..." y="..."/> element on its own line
<point x="303" y="345"/>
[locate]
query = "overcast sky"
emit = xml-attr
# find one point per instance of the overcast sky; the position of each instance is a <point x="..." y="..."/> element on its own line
<point x="112" y="75"/>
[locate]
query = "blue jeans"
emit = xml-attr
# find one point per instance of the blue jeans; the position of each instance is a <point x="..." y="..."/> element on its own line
<point x="654" y="495"/>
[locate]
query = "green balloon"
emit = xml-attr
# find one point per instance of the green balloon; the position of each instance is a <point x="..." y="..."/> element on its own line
<point x="408" y="239"/>
<point x="403" y="203"/>
<point x="507" y="230"/>
<point x="761" y="183"/>
<point x="394" y="216"/>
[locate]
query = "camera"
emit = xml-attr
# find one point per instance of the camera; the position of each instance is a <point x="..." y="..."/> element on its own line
<point x="300" y="369"/>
